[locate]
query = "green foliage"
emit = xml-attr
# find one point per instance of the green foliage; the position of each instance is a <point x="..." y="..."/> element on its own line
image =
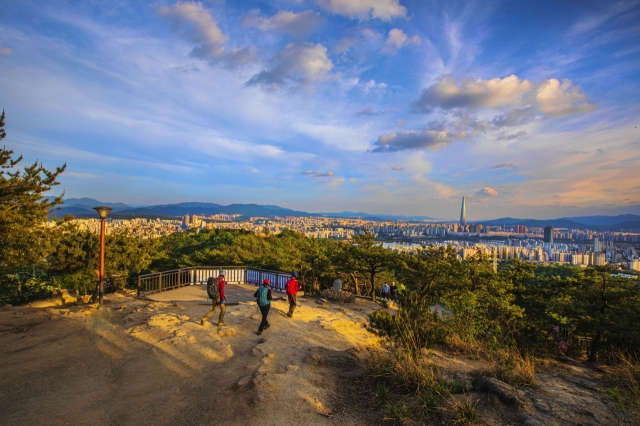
<point x="24" y="284"/>
<point x="23" y="210"/>
<point x="466" y="412"/>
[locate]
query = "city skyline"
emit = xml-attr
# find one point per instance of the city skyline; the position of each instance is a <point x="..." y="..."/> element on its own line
<point x="388" y="106"/>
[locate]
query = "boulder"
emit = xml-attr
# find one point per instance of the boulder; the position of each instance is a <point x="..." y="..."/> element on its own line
<point x="65" y="296"/>
<point x="83" y="299"/>
<point x="505" y="392"/>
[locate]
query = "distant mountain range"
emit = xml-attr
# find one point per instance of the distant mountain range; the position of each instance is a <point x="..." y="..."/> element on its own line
<point x="596" y="223"/>
<point x="83" y="207"/>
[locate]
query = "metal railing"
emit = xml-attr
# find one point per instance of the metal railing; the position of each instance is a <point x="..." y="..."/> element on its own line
<point x="198" y="275"/>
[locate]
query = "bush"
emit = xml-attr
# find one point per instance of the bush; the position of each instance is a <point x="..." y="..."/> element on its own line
<point x="23" y="285"/>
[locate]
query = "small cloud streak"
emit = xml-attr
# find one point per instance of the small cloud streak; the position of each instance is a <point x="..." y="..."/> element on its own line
<point x="317" y="173"/>
<point x="505" y="166"/>
<point x="487" y="192"/>
<point x="397" y="39"/>
<point x="5" y="51"/>
<point x="397" y="168"/>
<point x="295" y="24"/>
<point x="515" y="136"/>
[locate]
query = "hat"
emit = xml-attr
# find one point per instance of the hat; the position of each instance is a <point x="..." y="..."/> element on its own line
<point x="222" y="273"/>
<point x="294" y="274"/>
<point x="266" y="281"/>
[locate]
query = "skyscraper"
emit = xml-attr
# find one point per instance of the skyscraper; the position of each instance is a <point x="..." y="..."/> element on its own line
<point x="548" y="234"/>
<point x="463" y="213"/>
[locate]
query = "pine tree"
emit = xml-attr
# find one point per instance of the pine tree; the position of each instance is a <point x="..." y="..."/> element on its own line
<point x="24" y="209"/>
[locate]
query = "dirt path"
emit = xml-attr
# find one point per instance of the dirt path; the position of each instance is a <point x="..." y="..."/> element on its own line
<point x="140" y="362"/>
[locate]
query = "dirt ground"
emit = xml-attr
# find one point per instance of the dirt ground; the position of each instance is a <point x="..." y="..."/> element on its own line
<point x="141" y="362"/>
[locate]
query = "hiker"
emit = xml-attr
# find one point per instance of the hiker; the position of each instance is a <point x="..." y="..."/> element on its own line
<point x="394" y="292"/>
<point x="215" y="292"/>
<point x="263" y="297"/>
<point x="384" y="291"/>
<point x="292" y="293"/>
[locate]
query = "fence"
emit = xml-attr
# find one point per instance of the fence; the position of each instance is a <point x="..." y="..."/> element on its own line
<point x="198" y="275"/>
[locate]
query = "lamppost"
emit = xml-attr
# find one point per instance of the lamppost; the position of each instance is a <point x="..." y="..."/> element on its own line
<point x="103" y="212"/>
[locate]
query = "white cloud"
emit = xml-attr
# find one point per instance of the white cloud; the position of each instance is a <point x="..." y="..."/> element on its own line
<point x="299" y="64"/>
<point x="487" y="192"/>
<point x="398" y="39"/>
<point x="550" y="97"/>
<point x="365" y="9"/>
<point x="397" y="168"/>
<point x="196" y="22"/>
<point x="295" y="24"/>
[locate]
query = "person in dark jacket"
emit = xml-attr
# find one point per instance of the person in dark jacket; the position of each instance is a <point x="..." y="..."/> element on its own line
<point x="218" y="301"/>
<point x="292" y="293"/>
<point x="263" y="297"/>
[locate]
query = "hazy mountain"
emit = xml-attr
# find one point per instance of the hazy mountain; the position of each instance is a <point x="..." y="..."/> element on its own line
<point x="374" y="216"/>
<point x="613" y="223"/>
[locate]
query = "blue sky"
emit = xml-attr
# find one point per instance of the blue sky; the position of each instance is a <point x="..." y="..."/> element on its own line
<point x="530" y="109"/>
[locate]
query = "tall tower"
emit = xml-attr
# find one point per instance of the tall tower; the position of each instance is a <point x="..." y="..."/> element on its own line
<point x="463" y="213"/>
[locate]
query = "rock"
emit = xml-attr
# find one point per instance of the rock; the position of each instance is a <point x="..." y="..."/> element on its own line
<point x="65" y="296"/>
<point x="262" y="340"/>
<point x="183" y="317"/>
<point x="6" y="306"/>
<point x="505" y="392"/>
<point x="245" y="381"/>
<point x="260" y="398"/>
<point x="315" y="359"/>
<point x="83" y="299"/>
<point x="293" y="367"/>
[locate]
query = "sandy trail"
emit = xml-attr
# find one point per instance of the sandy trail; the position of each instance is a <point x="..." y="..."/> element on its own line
<point x="145" y="362"/>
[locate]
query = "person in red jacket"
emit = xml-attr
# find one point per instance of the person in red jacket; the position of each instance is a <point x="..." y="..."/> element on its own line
<point x="218" y="301"/>
<point x="292" y="293"/>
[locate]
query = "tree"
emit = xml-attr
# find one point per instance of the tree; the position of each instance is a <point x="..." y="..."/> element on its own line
<point x="373" y="258"/>
<point x="23" y="209"/>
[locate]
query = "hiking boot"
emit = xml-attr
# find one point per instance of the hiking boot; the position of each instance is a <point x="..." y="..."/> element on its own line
<point x="221" y="324"/>
<point x="259" y="333"/>
<point x="202" y="321"/>
<point x="289" y="314"/>
<point x="266" y="327"/>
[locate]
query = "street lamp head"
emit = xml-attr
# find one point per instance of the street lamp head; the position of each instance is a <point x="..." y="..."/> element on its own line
<point x="103" y="211"/>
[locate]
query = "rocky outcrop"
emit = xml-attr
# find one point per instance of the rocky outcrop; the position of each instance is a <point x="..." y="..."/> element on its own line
<point x="505" y="392"/>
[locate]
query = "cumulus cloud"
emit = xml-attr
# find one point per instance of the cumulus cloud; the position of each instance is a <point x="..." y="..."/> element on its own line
<point x="397" y="168"/>
<point x="550" y="97"/>
<point x="397" y="39"/>
<point x="196" y="22"/>
<point x="399" y="141"/>
<point x="365" y="9"/>
<point x="512" y="137"/>
<point x="297" y="64"/>
<point x="505" y="166"/>
<point x="5" y="51"/>
<point x="317" y="173"/>
<point x="295" y="24"/>
<point x="487" y="192"/>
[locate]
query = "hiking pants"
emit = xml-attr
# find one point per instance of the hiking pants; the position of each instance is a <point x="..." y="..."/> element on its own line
<point x="223" y="309"/>
<point x="265" y="311"/>
<point x="293" y="302"/>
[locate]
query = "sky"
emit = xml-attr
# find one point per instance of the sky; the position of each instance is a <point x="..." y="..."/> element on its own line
<point x="528" y="109"/>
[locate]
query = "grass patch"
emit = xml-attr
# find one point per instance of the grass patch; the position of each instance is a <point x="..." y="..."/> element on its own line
<point x="512" y="367"/>
<point x="465" y="412"/>
<point x="623" y="382"/>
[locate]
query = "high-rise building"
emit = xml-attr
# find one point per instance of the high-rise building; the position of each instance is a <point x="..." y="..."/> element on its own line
<point x="548" y="234"/>
<point x="463" y="213"/>
<point x="597" y="246"/>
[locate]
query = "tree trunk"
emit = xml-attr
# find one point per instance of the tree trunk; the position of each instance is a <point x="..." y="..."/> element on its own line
<point x="355" y="284"/>
<point x="593" y="349"/>
<point x="373" y="286"/>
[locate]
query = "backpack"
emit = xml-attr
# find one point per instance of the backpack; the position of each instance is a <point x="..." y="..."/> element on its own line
<point x="262" y="296"/>
<point x="212" y="288"/>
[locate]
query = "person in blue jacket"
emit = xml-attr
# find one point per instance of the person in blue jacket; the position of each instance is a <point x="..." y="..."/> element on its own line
<point x="263" y="297"/>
